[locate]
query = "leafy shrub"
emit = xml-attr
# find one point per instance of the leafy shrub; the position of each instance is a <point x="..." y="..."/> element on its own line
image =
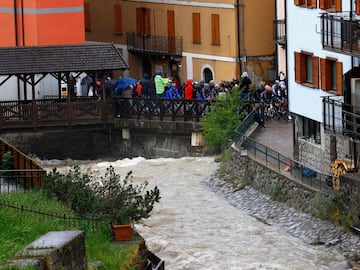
<point x="218" y="125"/>
<point x="274" y="191"/>
<point x="121" y="201"/>
<point x="112" y="197"/>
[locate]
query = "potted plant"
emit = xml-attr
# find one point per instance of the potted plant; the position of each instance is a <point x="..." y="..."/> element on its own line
<point x="123" y="202"/>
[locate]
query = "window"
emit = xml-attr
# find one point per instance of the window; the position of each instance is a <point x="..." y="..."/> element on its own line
<point x="87" y="17"/>
<point x="331" y="75"/>
<point x="215" y="29"/>
<point x="117" y="20"/>
<point x="306" y="3"/>
<point x="143" y="21"/>
<point x="307" y="69"/>
<point x="335" y="5"/>
<point x="196" y="28"/>
<point x="311" y="130"/>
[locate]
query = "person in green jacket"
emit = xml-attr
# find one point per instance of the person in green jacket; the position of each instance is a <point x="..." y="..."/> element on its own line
<point x="160" y="84"/>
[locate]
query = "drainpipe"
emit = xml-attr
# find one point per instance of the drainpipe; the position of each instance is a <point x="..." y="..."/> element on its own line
<point x="243" y="56"/>
<point x="238" y="33"/>
<point x="16" y="24"/>
<point x="22" y="23"/>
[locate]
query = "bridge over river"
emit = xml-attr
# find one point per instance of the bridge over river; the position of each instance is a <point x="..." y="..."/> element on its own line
<point x="92" y="112"/>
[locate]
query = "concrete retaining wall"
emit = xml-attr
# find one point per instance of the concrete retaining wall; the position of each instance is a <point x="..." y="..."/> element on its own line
<point x="54" y="250"/>
<point x="95" y="144"/>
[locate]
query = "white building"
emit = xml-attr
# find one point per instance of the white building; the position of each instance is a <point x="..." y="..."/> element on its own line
<point x="323" y="76"/>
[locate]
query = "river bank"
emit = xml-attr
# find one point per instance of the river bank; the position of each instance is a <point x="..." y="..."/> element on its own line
<point x="309" y="229"/>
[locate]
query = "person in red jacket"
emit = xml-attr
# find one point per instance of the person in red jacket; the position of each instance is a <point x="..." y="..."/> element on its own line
<point x="189" y="89"/>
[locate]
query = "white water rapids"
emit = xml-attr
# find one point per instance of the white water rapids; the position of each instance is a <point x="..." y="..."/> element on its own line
<point x="194" y="228"/>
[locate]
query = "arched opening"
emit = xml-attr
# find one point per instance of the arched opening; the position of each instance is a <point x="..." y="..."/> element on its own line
<point x="207" y="74"/>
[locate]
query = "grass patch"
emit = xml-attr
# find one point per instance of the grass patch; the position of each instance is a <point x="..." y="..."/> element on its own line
<point x="274" y="191"/>
<point x="19" y="228"/>
<point x="330" y="208"/>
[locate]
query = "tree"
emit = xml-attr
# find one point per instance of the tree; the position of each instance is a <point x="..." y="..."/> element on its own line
<point x="219" y="124"/>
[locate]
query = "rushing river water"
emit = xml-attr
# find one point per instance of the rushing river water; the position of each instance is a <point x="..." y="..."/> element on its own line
<point x="195" y="228"/>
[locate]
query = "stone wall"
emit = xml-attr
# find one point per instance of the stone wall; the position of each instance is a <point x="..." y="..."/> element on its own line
<point x="54" y="250"/>
<point x="96" y="144"/>
<point x="251" y="172"/>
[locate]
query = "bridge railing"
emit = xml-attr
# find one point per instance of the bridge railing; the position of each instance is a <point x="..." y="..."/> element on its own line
<point x="65" y="112"/>
<point x="155" y="108"/>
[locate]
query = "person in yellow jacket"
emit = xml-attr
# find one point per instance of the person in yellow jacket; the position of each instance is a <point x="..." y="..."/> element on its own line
<point x="160" y="84"/>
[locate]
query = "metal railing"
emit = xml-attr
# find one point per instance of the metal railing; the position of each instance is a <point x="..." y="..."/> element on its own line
<point x="21" y="180"/>
<point x="340" y="32"/>
<point x="157" y="108"/>
<point x="154" y="44"/>
<point x="341" y="118"/>
<point x="284" y="165"/>
<point x="280" y="32"/>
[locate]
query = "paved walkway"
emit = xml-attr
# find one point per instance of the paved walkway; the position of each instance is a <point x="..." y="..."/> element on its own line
<point x="277" y="135"/>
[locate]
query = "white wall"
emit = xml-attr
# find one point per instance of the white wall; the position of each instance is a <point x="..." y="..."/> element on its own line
<point x="303" y="32"/>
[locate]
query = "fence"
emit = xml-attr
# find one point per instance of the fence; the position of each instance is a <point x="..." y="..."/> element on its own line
<point x="282" y="164"/>
<point x="66" y="220"/>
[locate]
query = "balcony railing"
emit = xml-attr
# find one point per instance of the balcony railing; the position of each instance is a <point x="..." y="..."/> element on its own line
<point x="159" y="45"/>
<point x="341" y="118"/>
<point x="279" y="32"/>
<point x="340" y="32"/>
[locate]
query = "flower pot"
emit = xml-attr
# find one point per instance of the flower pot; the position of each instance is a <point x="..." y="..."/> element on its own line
<point x="121" y="232"/>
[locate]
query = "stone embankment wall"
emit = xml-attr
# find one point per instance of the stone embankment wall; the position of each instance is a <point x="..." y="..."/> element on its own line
<point x="248" y="171"/>
<point x="54" y="250"/>
<point x="96" y="144"/>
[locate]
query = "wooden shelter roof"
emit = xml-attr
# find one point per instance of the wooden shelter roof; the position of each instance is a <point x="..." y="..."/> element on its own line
<point x="62" y="58"/>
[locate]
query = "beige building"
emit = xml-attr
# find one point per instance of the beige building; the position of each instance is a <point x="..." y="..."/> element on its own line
<point x="190" y="39"/>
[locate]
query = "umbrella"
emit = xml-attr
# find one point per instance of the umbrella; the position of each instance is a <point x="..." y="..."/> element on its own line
<point x="125" y="82"/>
<point x="110" y="84"/>
<point x="86" y="80"/>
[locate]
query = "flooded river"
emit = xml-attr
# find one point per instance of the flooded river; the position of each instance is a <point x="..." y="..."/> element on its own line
<point x="195" y="228"/>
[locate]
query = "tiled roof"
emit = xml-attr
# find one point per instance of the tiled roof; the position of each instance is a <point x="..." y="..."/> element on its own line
<point x="64" y="58"/>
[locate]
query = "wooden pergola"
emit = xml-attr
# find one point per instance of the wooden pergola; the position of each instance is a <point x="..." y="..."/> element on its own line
<point x="59" y="61"/>
<point x="32" y="64"/>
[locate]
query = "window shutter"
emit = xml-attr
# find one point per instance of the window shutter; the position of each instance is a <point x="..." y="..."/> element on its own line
<point x="196" y="27"/>
<point x="297" y="56"/>
<point x="315" y="70"/>
<point x="297" y="2"/>
<point x="338" y="5"/>
<point x="313" y="3"/>
<point x="339" y="78"/>
<point x="171" y="30"/>
<point x="139" y="20"/>
<point x="322" y="4"/>
<point x="117" y="19"/>
<point x="357" y="7"/>
<point x="324" y="69"/>
<point x="215" y="29"/>
<point x="147" y="30"/>
<point x="87" y="16"/>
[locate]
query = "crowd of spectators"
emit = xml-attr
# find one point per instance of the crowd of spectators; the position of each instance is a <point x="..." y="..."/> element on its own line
<point x="160" y="86"/>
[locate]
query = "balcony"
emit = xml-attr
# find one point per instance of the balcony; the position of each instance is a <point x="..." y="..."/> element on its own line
<point x="341" y="118"/>
<point x="279" y="32"/>
<point x="340" y="32"/>
<point x="164" y="46"/>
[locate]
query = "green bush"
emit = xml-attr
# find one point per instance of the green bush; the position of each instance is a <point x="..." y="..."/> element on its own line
<point x="219" y="124"/>
<point x="274" y="191"/>
<point x="110" y="197"/>
<point x="74" y="189"/>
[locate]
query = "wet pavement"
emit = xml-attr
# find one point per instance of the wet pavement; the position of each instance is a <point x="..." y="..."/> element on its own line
<point x="277" y="135"/>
